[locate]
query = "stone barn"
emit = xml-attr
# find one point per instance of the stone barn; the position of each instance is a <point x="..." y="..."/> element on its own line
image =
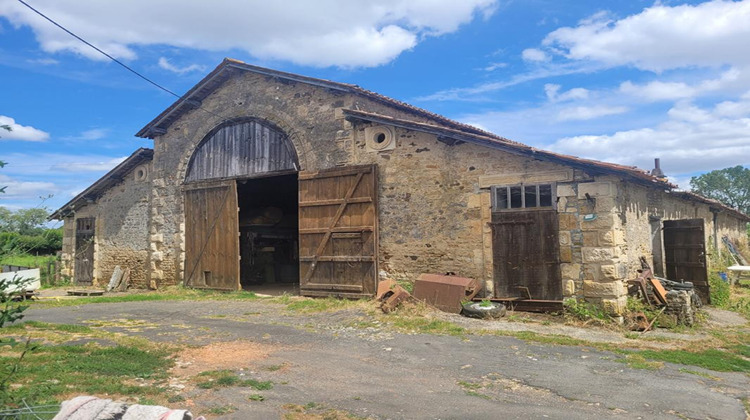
<point x="263" y="177"/>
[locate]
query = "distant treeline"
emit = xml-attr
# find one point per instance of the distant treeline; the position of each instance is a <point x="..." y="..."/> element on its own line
<point x="24" y="232"/>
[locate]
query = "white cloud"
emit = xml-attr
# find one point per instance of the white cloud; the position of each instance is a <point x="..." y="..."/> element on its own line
<point x="534" y="54"/>
<point x="711" y="34"/>
<point x="47" y="165"/>
<point x="727" y="82"/>
<point x="20" y="132"/>
<point x="17" y="189"/>
<point x="92" y="134"/>
<point x="494" y="66"/>
<point x="320" y="33"/>
<point x="553" y="93"/>
<point x="166" y="65"/>
<point x="589" y="112"/>
<point x="692" y="139"/>
<point x="87" y="165"/>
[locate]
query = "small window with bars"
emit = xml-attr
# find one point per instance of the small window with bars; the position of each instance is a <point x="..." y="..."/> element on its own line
<point x="519" y="197"/>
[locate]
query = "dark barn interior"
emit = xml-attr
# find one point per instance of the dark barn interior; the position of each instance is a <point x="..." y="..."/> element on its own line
<point x="268" y="220"/>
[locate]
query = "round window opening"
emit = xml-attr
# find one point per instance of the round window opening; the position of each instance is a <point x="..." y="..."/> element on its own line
<point x="140" y="174"/>
<point x="380" y="138"/>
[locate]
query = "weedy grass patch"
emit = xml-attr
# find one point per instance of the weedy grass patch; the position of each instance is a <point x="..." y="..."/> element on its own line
<point x="315" y="411"/>
<point x="51" y="372"/>
<point x="309" y="305"/>
<point x="712" y="359"/>
<point x="426" y="326"/>
<point x="169" y="294"/>
<point x="227" y="378"/>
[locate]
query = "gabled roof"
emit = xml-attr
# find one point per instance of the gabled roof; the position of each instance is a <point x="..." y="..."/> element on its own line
<point x="444" y="128"/>
<point x="193" y="98"/>
<point x="109" y="179"/>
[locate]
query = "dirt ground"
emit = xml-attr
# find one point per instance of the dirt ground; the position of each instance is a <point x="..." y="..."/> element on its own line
<point x="347" y="364"/>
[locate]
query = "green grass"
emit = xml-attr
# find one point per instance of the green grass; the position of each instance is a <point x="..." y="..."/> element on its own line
<point x="469" y="385"/>
<point x="256" y="397"/>
<point x="227" y="378"/>
<point x="33" y="261"/>
<point x="177" y="294"/>
<point x="638" y="361"/>
<point x="222" y="409"/>
<point x="476" y="394"/>
<point x="318" y="304"/>
<point x="712" y="359"/>
<point x="701" y="374"/>
<point x="26" y="260"/>
<point x="427" y="326"/>
<point x="50" y="372"/>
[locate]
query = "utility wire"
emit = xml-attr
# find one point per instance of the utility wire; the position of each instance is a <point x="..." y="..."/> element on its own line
<point x="100" y="51"/>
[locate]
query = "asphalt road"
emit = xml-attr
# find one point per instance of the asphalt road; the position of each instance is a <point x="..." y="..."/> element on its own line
<point x="374" y="372"/>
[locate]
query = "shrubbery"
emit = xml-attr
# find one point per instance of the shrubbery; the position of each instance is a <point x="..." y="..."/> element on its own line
<point x="48" y="241"/>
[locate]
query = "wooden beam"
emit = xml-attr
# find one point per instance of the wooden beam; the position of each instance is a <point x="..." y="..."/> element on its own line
<point x="344" y="229"/>
<point x="335" y="202"/>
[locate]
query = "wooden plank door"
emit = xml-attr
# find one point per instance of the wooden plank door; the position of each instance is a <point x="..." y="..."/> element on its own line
<point x="84" y="256"/>
<point x="526" y="255"/>
<point x="212" y="246"/>
<point x="338" y="229"/>
<point x="685" y="254"/>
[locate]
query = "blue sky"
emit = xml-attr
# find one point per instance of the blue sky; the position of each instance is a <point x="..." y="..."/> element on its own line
<point x="618" y="81"/>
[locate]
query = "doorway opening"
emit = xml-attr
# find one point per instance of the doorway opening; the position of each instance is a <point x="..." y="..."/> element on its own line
<point x="269" y="229"/>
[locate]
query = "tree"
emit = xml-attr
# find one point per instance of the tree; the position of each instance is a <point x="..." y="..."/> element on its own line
<point x="731" y="186"/>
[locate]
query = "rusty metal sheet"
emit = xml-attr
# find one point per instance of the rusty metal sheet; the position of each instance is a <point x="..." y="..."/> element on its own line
<point x="445" y="292"/>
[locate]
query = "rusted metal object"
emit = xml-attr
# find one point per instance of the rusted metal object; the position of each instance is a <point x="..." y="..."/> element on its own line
<point x="391" y="294"/>
<point x="445" y="292"/>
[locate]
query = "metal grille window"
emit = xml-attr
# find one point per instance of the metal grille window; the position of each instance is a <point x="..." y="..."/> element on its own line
<point x="516" y="197"/>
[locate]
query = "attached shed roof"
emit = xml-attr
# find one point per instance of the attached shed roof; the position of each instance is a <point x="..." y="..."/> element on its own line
<point x="454" y="136"/>
<point x="691" y="196"/>
<point x="109" y="179"/>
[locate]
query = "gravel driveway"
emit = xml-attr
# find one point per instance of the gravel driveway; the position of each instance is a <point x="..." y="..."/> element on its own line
<point x="323" y="360"/>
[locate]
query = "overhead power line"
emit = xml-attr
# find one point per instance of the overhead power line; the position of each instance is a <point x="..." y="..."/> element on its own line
<point x="99" y="50"/>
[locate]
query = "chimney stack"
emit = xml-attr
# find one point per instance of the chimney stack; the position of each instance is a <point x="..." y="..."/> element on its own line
<point x="657" y="172"/>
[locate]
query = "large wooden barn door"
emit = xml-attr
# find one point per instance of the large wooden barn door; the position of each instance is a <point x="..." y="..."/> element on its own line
<point x="338" y="231"/>
<point x="526" y="255"/>
<point x="685" y="253"/>
<point x="212" y="236"/>
<point x="84" y="257"/>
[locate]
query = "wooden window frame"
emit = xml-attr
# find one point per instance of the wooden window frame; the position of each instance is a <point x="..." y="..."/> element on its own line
<point x="495" y="188"/>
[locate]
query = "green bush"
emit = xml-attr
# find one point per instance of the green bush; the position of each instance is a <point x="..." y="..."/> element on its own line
<point x="48" y="241"/>
<point x="720" y="291"/>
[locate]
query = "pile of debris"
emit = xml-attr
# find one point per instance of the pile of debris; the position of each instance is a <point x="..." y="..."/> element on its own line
<point x="446" y="292"/>
<point x="676" y="299"/>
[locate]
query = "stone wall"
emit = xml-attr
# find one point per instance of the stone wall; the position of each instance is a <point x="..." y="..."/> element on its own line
<point x="433" y="212"/>
<point x="592" y="242"/>
<point x="434" y="199"/>
<point x="121" y="234"/>
<point x="643" y="210"/>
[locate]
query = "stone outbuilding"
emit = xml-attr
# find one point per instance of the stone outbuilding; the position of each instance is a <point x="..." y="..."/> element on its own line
<point x="263" y="177"/>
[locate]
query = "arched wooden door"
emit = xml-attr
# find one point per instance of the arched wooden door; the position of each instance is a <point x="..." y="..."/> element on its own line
<point x="235" y="150"/>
